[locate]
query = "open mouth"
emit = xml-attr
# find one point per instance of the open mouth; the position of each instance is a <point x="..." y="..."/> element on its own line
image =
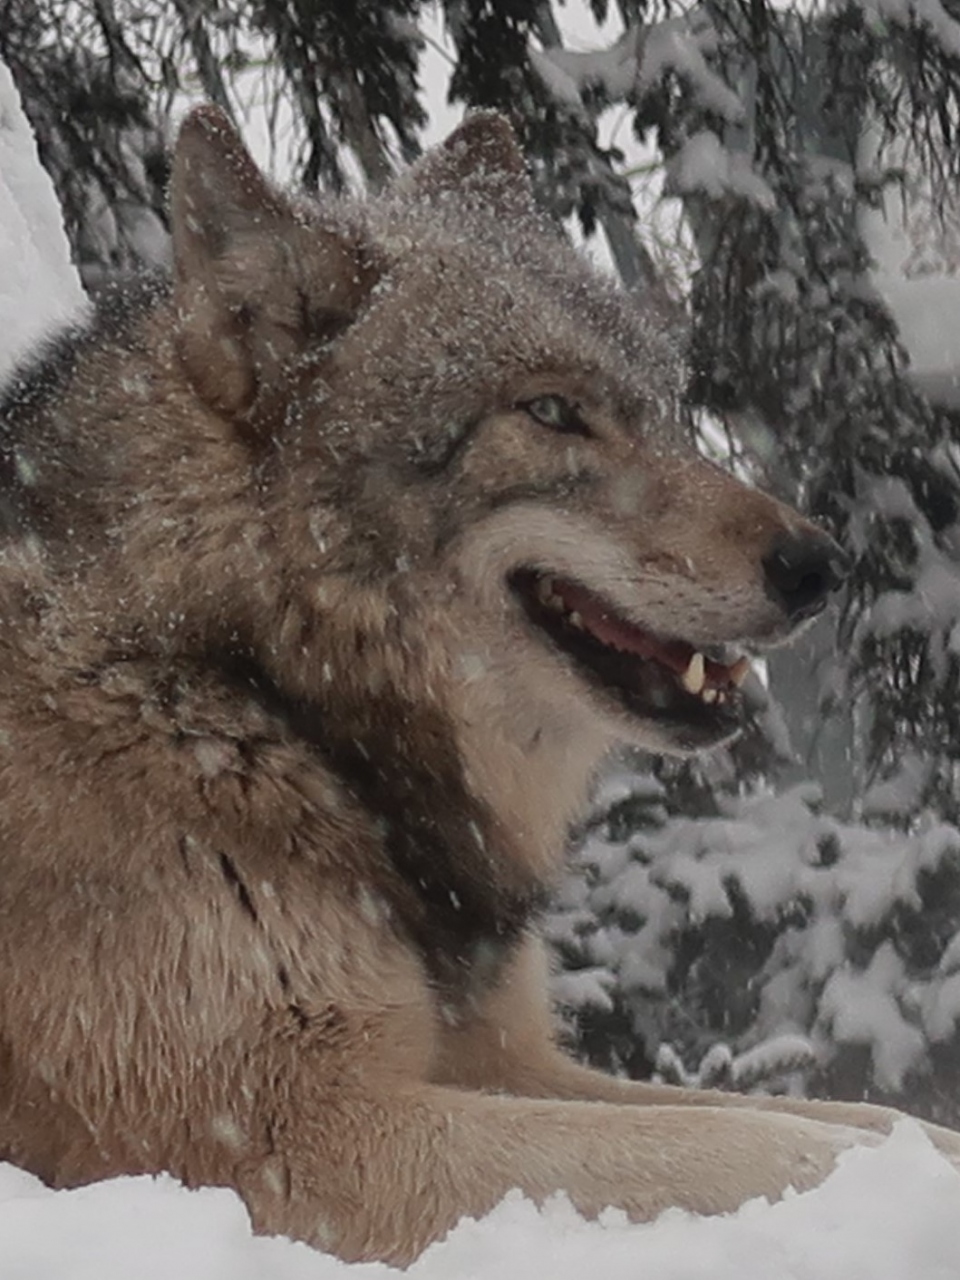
<point x="692" y="692"/>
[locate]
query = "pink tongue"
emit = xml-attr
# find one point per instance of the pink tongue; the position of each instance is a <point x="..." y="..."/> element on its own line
<point x="619" y="634"/>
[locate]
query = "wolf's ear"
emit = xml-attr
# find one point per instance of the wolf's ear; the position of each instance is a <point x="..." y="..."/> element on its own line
<point x="255" y="281"/>
<point x="480" y="160"/>
<point x="483" y="143"/>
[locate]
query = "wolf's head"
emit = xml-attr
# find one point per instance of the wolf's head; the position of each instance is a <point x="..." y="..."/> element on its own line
<point x="430" y="474"/>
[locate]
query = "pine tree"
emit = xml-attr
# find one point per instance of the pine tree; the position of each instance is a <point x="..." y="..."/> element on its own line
<point x="92" y="105"/>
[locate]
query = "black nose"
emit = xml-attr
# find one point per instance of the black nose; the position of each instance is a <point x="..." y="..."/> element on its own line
<point x="801" y="570"/>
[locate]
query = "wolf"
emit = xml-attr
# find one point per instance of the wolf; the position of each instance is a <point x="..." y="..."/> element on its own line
<point x="332" y="568"/>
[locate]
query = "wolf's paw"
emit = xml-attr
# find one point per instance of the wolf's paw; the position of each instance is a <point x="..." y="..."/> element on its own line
<point x="865" y="1117"/>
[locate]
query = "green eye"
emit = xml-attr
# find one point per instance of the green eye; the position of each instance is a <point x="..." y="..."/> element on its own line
<point x="557" y="413"/>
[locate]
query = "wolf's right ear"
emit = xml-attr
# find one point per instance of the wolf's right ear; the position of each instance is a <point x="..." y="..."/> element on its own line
<point x="480" y="160"/>
<point x="255" y="281"/>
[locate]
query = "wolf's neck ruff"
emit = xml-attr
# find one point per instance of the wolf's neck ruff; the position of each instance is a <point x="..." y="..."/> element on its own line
<point x="450" y="895"/>
<point x="444" y="850"/>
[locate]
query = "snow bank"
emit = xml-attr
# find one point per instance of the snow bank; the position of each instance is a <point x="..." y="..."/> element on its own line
<point x="39" y="288"/>
<point x="885" y="1214"/>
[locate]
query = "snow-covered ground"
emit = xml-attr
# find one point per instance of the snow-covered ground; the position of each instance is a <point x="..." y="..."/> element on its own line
<point x="888" y="1213"/>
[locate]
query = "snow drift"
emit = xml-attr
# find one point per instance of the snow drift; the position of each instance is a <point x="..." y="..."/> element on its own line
<point x="887" y="1213"/>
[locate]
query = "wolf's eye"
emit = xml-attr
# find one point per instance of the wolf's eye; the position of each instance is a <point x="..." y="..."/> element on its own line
<point x="557" y="413"/>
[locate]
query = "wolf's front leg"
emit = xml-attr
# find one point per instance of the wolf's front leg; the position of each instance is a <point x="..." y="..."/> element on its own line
<point x="380" y="1176"/>
<point x="555" y="1075"/>
<point x="508" y="1046"/>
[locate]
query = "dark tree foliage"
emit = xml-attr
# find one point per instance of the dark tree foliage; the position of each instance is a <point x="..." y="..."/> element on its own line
<point x="99" y="79"/>
<point x="352" y="70"/>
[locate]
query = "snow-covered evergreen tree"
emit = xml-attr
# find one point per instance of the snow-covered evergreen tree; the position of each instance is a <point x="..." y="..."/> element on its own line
<point x="820" y="952"/>
<point x="92" y="105"/>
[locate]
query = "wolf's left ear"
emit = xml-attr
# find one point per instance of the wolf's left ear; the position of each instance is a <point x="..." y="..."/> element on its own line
<point x="255" y="282"/>
<point x="480" y="160"/>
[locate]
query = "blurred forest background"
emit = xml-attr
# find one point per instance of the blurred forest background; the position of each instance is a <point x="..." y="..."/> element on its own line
<point x="785" y="914"/>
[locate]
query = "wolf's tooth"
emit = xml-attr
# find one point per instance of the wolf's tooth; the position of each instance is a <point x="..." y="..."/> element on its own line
<point x="710" y="696"/>
<point x="695" y="674"/>
<point x="575" y="620"/>
<point x="739" y="671"/>
<point x="544" y="590"/>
